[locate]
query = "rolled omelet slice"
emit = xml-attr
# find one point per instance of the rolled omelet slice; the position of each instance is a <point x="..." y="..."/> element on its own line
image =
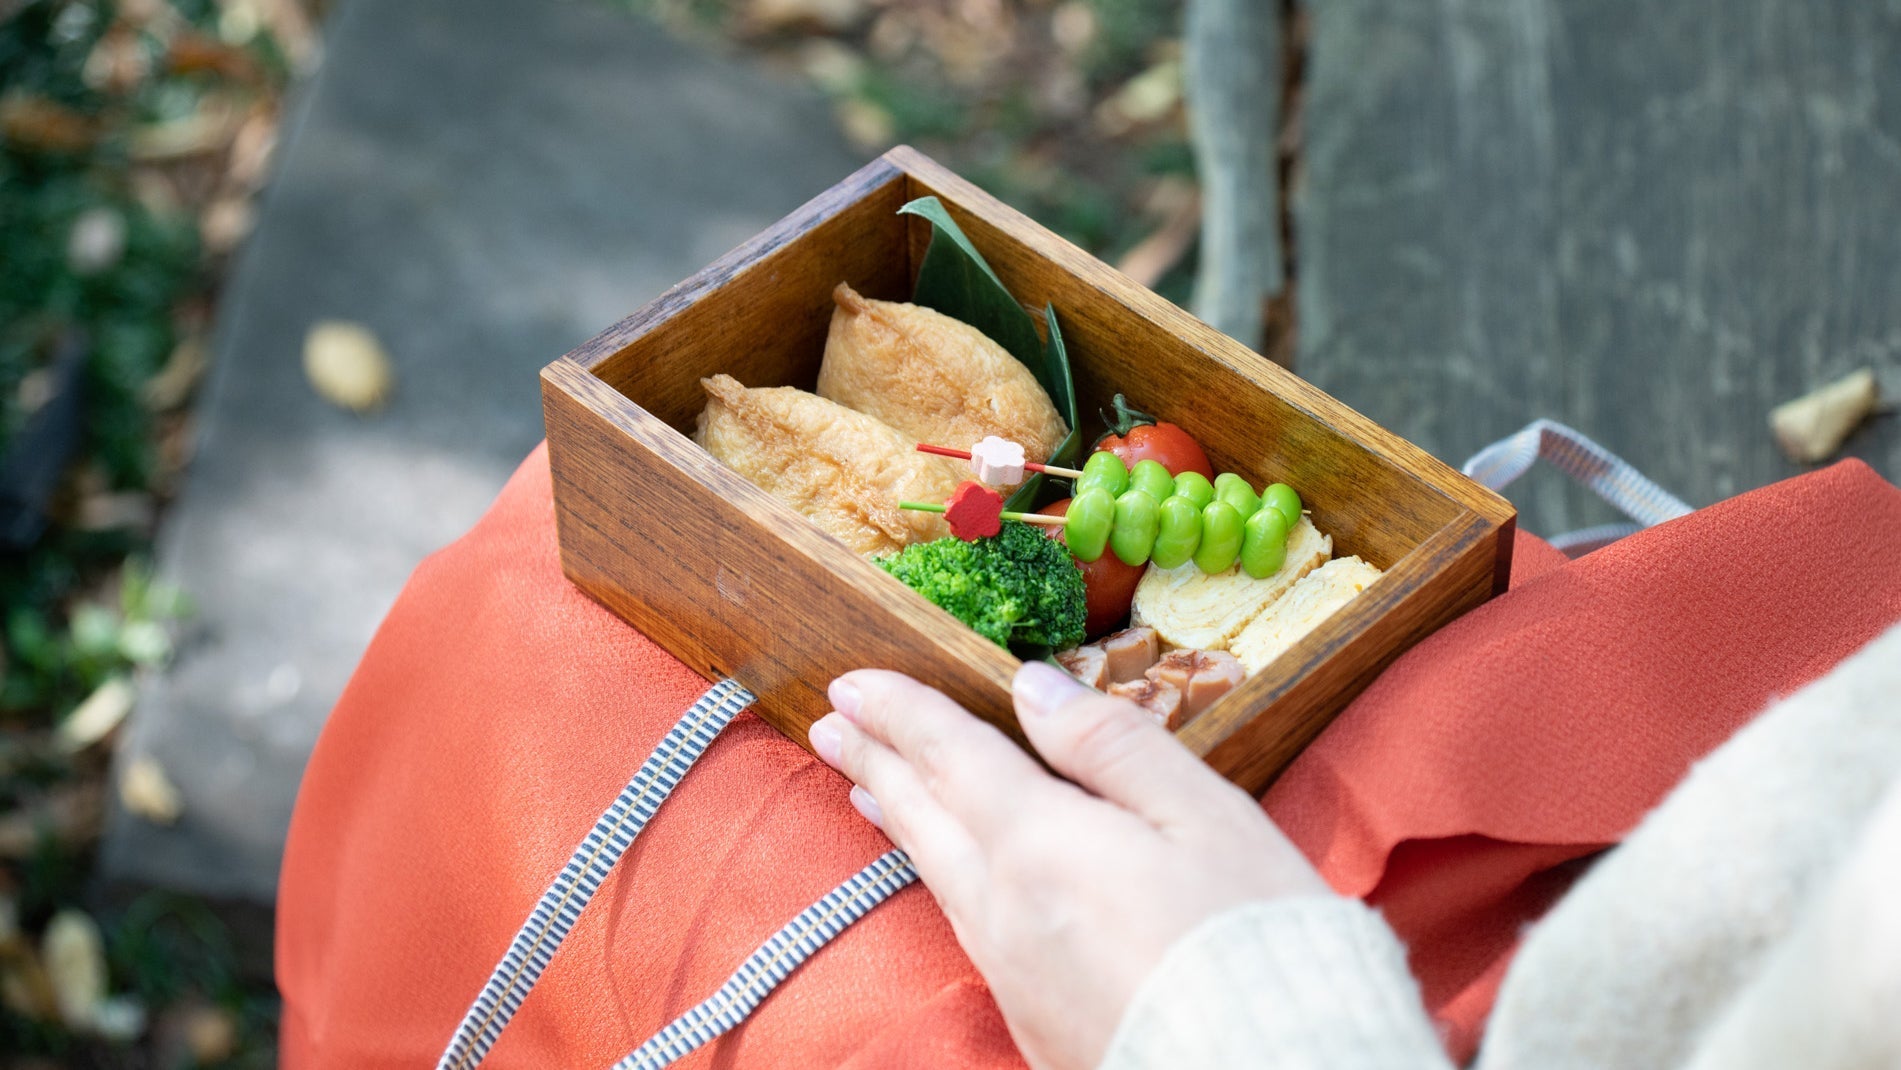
<point x="1205" y="610"/>
<point x="845" y="470"/>
<point x="932" y="377"/>
<point x="1319" y="595"/>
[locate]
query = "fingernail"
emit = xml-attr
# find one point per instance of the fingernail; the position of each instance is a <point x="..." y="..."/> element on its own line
<point x="867" y="806"/>
<point x="827" y="741"/>
<point x="1042" y="689"/>
<point x="845" y="698"/>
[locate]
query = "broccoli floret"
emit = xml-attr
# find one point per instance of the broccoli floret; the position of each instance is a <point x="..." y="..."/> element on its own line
<point x="1018" y="587"/>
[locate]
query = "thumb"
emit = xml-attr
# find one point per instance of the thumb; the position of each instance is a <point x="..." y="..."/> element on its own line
<point x="1112" y="748"/>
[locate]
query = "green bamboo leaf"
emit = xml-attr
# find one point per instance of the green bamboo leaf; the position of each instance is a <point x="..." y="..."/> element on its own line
<point x="956" y="280"/>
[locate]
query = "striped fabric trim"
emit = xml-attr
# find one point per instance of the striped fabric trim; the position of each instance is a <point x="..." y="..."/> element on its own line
<point x="561" y="905"/>
<point x="1606" y="474"/>
<point x="774" y="962"/>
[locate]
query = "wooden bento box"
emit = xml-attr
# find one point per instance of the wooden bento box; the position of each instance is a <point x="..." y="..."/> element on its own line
<point x="735" y="583"/>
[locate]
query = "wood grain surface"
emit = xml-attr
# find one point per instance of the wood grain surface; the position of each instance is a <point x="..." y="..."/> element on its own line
<point x="1651" y="221"/>
<point x="734" y="582"/>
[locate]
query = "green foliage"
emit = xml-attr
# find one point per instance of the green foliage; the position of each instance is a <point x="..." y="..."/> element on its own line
<point x="1019" y="588"/>
<point x="53" y="668"/>
<point x="956" y="280"/>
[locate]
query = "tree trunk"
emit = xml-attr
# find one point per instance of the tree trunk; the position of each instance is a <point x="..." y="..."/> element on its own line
<point x="1233" y="84"/>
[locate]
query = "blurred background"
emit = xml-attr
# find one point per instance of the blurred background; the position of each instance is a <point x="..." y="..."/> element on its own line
<point x="276" y="277"/>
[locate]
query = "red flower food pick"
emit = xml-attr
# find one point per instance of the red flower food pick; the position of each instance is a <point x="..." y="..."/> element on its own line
<point x="974" y="511"/>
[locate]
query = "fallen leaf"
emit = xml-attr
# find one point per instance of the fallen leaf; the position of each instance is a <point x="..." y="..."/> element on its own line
<point x="1073" y="26"/>
<point x="1152" y="257"/>
<point x="96" y="717"/>
<point x="197" y="53"/>
<point x="251" y="149"/>
<point x="43" y="125"/>
<point x="775" y="16"/>
<point x="1146" y="98"/>
<point x="865" y="124"/>
<point x="74" y="956"/>
<point x="1812" y="427"/>
<point x="832" y="66"/>
<point x="206" y="130"/>
<point x="119" y="61"/>
<point x="225" y="223"/>
<point x="24" y="987"/>
<point x="347" y="366"/>
<point x="147" y="792"/>
<point x="210" y="1034"/>
<point x="173" y="384"/>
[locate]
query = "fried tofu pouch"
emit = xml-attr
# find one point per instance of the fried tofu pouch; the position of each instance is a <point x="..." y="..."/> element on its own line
<point x="845" y="470"/>
<point x="933" y="378"/>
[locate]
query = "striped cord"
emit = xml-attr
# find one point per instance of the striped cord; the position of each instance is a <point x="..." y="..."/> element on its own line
<point x="774" y="962"/>
<point x="561" y="905"/>
<point x="1607" y="475"/>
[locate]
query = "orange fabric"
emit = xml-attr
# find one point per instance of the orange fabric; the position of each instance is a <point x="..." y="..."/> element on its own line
<point x="496" y="714"/>
<point x="499" y="710"/>
<point x="1539" y="728"/>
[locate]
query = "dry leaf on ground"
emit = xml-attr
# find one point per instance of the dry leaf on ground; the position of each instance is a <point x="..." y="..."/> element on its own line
<point x="1178" y="202"/>
<point x="1812" y="427"/>
<point x="96" y="717"/>
<point x="173" y="384"/>
<point x="74" y="955"/>
<point x="146" y="791"/>
<point x="37" y="123"/>
<point x="773" y="16"/>
<point x="347" y="365"/>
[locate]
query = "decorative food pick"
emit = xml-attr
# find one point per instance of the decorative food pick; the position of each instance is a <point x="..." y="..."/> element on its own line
<point x="974" y="512"/>
<point x="999" y="460"/>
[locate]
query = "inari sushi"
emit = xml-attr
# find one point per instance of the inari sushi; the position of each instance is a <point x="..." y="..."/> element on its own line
<point x="933" y="378"/>
<point x="845" y="470"/>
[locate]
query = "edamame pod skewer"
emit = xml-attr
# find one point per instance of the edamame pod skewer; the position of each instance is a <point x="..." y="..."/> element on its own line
<point x="1235" y="491"/>
<point x="1282" y="497"/>
<point x="1090" y="519"/>
<point x="1137" y="517"/>
<point x="1104" y="470"/>
<point x="1264" y="542"/>
<point x="1178" y="532"/>
<point x="1195" y="487"/>
<point x="1151" y="477"/>
<point x="1221" y="537"/>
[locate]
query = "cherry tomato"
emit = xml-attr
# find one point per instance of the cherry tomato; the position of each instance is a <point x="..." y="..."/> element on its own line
<point x="1108" y="584"/>
<point x="1135" y="436"/>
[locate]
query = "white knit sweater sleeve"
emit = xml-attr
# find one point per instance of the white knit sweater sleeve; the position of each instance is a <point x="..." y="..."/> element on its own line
<point x="1314" y="982"/>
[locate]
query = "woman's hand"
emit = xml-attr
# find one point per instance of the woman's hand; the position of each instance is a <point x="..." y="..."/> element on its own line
<point x="1064" y="895"/>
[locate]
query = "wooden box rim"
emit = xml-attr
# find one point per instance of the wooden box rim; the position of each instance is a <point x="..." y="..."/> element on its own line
<point x="1481" y="514"/>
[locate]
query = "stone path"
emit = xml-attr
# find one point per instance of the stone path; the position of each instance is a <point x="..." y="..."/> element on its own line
<point x="1652" y="221"/>
<point x="484" y="183"/>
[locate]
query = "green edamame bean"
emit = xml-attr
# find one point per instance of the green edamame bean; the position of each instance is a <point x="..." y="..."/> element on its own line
<point x="1282" y="497"/>
<point x="1152" y="478"/>
<point x="1221" y="535"/>
<point x="1087" y="524"/>
<point x="1264" y="543"/>
<point x="1104" y="470"/>
<point x="1137" y="517"/>
<point x="1177" y="532"/>
<point x="1235" y="491"/>
<point x="1195" y="487"/>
